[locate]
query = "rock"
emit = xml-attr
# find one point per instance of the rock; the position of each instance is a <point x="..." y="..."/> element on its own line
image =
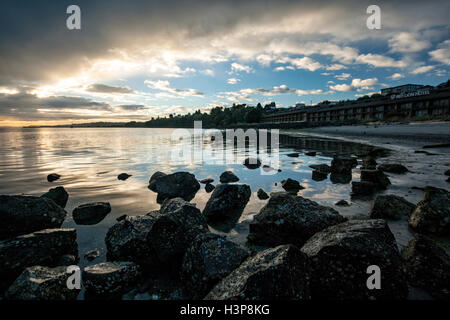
<point x="377" y="177"/>
<point x="363" y="188"/>
<point x="59" y="196"/>
<point x="24" y="214"/>
<point x="291" y="185"/>
<point x="318" y="175"/>
<point x="44" y="248"/>
<point x="377" y="152"/>
<point x="392" y="168"/>
<point x="206" y="181"/>
<point x="91" y="213"/>
<point x="342" y="165"/>
<point x="390" y="207"/>
<point x="110" y="279"/>
<point x="227" y="177"/>
<point x="122" y="217"/>
<point x="53" y="177"/>
<point x="341" y="254"/>
<point x="342" y="203"/>
<point x="280" y="273"/>
<point x="127" y="241"/>
<point x="252" y="163"/>
<point x="178" y="184"/>
<point x="293" y="155"/>
<point x="427" y="266"/>
<point x="311" y="153"/>
<point x="209" y="187"/>
<point x="369" y="163"/>
<point x="262" y="195"/>
<point x="92" y="255"/>
<point x="227" y="201"/>
<point x="123" y="176"/>
<point x="67" y="260"/>
<point x="340" y="178"/>
<point x="432" y="215"/>
<point x="42" y="283"/>
<point x="447" y="173"/>
<point x="208" y="260"/>
<point x="292" y="219"/>
<point x="323" y="168"/>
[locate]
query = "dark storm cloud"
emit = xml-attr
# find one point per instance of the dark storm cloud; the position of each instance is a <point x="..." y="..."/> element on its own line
<point x="102" y="88"/>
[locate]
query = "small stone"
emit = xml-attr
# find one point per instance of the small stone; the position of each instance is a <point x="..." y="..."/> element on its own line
<point x="342" y="203"/>
<point x="53" y="177"/>
<point x="209" y="187"/>
<point x="92" y="255"/>
<point x="206" y="181"/>
<point x="262" y="195"/>
<point x="123" y="176"/>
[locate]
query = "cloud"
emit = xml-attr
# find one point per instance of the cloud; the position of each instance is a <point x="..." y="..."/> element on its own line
<point x="208" y="72"/>
<point x="356" y="84"/>
<point x="396" y="76"/>
<point x="246" y="94"/>
<point x="233" y="80"/>
<point x="335" y="67"/>
<point x="423" y="69"/>
<point x="343" y="76"/>
<point x="164" y="85"/>
<point x="103" y="88"/>
<point x="407" y="42"/>
<point x="442" y="54"/>
<point x="301" y="63"/>
<point x="236" y="67"/>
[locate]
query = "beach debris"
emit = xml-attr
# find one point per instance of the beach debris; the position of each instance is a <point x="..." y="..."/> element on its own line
<point x="123" y="176"/>
<point x="427" y="266"/>
<point x="25" y="214"/>
<point x="340" y="256"/>
<point x="390" y="207"/>
<point x="291" y="185"/>
<point x="287" y="218"/>
<point x="209" y="259"/>
<point x="227" y="200"/>
<point x="227" y="177"/>
<point x="209" y="187"/>
<point x="91" y="213"/>
<point x="262" y="195"/>
<point x="42" y="283"/>
<point x="393" y="168"/>
<point x="59" y="195"/>
<point x="178" y="184"/>
<point x="53" y="177"/>
<point x="432" y="214"/>
<point x="252" y="163"/>
<point x="280" y="273"/>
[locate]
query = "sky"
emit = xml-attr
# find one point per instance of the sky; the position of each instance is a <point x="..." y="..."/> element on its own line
<point x="134" y="60"/>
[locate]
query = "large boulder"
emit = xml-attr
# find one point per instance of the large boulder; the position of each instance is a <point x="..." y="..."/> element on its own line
<point x="209" y="259"/>
<point x="343" y="165"/>
<point x="59" y="195"/>
<point x="91" y="213"/>
<point x="377" y="177"/>
<point x="44" y="248"/>
<point x="363" y="188"/>
<point x="292" y="219"/>
<point x="432" y="215"/>
<point x="427" y="266"/>
<point x="280" y="273"/>
<point x="228" y="176"/>
<point x="178" y="184"/>
<point x="110" y="279"/>
<point x="392" y="168"/>
<point x="24" y="214"/>
<point x="42" y="283"/>
<point x="340" y="256"/>
<point x="291" y="185"/>
<point x="390" y="207"/>
<point x="227" y="201"/>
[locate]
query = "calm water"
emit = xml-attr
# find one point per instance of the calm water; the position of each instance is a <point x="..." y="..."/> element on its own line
<point x="89" y="161"/>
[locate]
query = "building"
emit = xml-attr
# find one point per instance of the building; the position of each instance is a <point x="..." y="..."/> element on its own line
<point x="403" y="89"/>
<point x="433" y="102"/>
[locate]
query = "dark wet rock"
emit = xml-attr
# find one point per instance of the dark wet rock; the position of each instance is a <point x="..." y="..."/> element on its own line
<point x="340" y="178"/>
<point x="226" y="201"/>
<point x="228" y="176"/>
<point x="110" y="279"/>
<point x="392" y="168"/>
<point x="363" y="188"/>
<point x="252" y="163"/>
<point x="293" y="155"/>
<point x="323" y="168"/>
<point x="262" y="195"/>
<point x="311" y="153"/>
<point x="448" y="179"/>
<point x="43" y="248"/>
<point x="92" y="255"/>
<point x="91" y="213"/>
<point x="291" y="185"/>
<point x="123" y="176"/>
<point x="67" y="260"/>
<point x="369" y="163"/>
<point x="127" y="241"/>
<point x="377" y="152"/>
<point x="178" y="184"/>
<point x="341" y="254"/>
<point x="390" y="207"/>
<point x="208" y="260"/>
<point x="122" y="217"/>
<point x="53" y="177"/>
<point x="377" y="177"/>
<point x="343" y="165"/>
<point x="318" y="175"/>
<point x="280" y="273"/>
<point x="24" y="214"/>
<point x="42" y="283"/>
<point x="447" y="173"/>
<point x="432" y="215"/>
<point x="209" y="187"/>
<point x="427" y="266"/>
<point x="342" y="203"/>
<point x="292" y="219"/>
<point x="59" y="196"/>
<point x="206" y="181"/>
